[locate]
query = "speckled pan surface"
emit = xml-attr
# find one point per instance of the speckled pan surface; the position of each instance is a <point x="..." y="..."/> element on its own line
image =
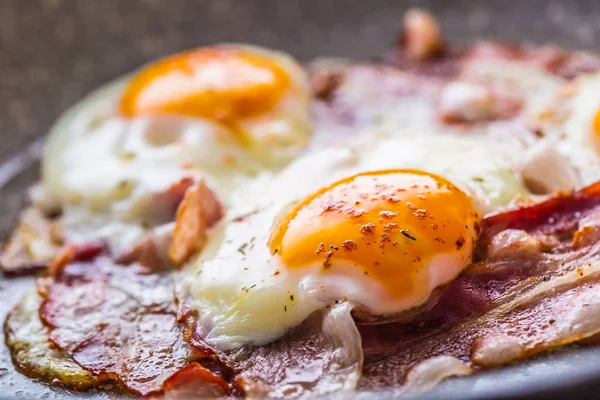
<point x="52" y="52"/>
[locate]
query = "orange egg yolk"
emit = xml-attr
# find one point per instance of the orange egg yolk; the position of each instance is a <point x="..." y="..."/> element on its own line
<point x="225" y="84"/>
<point x="390" y="224"/>
<point x="597" y="123"/>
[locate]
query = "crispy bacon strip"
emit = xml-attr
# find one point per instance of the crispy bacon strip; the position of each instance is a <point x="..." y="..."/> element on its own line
<point x="32" y="244"/>
<point x="33" y="354"/>
<point x="116" y="321"/>
<point x="558" y="215"/>
<point x="195" y="381"/>
<point x="199" y="210"/>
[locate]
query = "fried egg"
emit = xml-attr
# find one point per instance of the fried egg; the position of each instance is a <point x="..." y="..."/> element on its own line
<point x="225" y="113"/>
<point x="347" y="224"/>
<point x="583" y="124"/>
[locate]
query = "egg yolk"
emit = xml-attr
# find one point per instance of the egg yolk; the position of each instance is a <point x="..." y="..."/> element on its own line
<point x="220" y="83"/>
<point x="390" y="224"/>
<point x="597" y="123"/>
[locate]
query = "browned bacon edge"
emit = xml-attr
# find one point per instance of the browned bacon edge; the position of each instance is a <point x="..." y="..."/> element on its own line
<point x="119" y="322"/>
<point x="557" y="215"/>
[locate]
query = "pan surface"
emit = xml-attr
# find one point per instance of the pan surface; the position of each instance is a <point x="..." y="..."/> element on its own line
<point x="52" y="52"/>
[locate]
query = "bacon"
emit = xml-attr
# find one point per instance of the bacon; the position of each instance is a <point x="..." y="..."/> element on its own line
<point x="470" y="102"/>
<point x="151" y="250"/>
<point x="199" y="210"/>
<point x="322" y="356"/>
<point x="73" y="252"/>
<point x="561" y="62"/>
<point x="35" y="356"/>
<point x="32" y="244"/>
<point x="117" y="321"/>
<point x="557" y="216"/>
<point x="195" y="381"/>
<point x="545" y="316"/>
<point x="38" y="240"/>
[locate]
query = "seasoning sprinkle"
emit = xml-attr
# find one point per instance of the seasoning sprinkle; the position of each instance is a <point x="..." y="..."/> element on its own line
<point x="245" y="289"/>
<point x="127" y="156"/>
<point x="408" y="235"/>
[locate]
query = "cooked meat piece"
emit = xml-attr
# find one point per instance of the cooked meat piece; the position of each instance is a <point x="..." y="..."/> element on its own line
<point x="195" y="382"/>
<point x="322" y="356"/>
<point x="422" y="38"/>
<point x="562" y="310"/>
<point x="33" y="354"/>
<point x="326" y="76"/>
<point x="116" y="322"/>
<point x="469" y="102"/>
<point x="199" y="210"/>
<point x="152" y="250"/>
<point x="32" y="245"/>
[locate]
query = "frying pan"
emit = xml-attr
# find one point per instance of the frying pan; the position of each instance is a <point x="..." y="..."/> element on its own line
<point x="52" y="52"/>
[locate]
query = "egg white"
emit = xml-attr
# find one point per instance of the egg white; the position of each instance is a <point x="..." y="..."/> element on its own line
<point x="577" y="139"/>
<point x="569" y="145"/>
